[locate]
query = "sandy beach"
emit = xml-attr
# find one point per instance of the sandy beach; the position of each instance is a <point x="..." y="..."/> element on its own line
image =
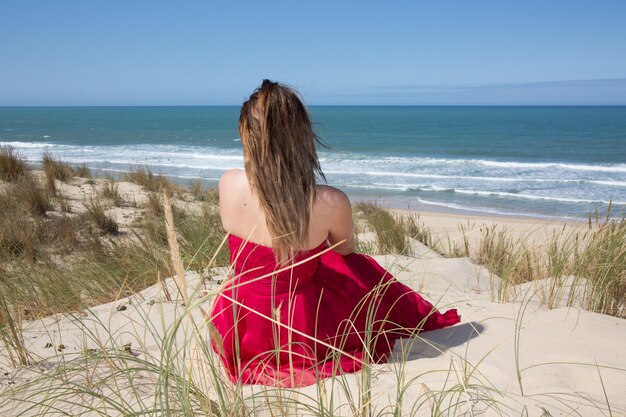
<point x="528" y="348"/>
<point x="454" y="228"/>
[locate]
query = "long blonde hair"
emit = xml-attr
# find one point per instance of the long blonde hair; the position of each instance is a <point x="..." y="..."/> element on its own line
<point x="281" y="163"/>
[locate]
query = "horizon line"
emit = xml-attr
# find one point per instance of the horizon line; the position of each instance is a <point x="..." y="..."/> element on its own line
<point x="307" y="105"/>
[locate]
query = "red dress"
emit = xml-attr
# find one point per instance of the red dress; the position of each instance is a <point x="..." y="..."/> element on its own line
<point x="326" y="315"/>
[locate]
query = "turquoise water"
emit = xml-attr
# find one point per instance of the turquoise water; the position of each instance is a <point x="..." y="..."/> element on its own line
<point x="533" y="161"/>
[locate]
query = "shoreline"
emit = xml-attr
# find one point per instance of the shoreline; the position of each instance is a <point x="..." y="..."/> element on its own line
<point x="400" y="204"/>
<point x="394" y="203"/>
<point x="451" y="228"/>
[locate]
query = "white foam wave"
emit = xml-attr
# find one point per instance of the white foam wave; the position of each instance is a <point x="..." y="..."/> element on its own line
<point x="609" y="183"/>
<point x="18" y="144"/>
<point x="487" y="210"/>
<point x="559" y="165"/>
<point x="427" y="161"/>
<point x="411" y="175"/>
<point x="378" y="187"/>
<point x="533" y="197"/>
<point x="396" y="187"/>
<point x="338" y="161"/>
<point x="477" y="178"/>
<point x="567" y="183"/>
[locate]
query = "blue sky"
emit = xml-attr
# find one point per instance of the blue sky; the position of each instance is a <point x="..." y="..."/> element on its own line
<point x="393" y="52"/>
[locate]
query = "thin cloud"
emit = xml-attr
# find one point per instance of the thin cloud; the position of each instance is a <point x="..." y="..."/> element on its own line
<point x="563" y="92"/>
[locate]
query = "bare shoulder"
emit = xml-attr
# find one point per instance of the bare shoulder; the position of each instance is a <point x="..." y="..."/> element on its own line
<point x="231" y="177"/>
<point x="336" y="212"/>
<point x="232" y="191"/>
<point x="331" y="196"/>
<point x="230" y="181"/>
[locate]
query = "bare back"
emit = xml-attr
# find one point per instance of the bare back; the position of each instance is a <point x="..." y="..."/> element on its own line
<point x="241" y="213"/>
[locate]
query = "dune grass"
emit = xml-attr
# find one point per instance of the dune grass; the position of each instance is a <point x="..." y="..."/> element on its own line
<point x="581" y="262"/>
<point x="201" y="193"/>
<point x="595" y="256"/>
<point x="95" y="269"/>
<point x="412" y="226"/>
<point x="603" y="262"/>
<point x="111" y="375"/>
<point x="154" y="205"/>
<point x="16" y="229"/>
<point x="96" y="214"/>
<point x="83" y="171"/>
<point x="24" y="239"/>
<point x="55" y="169"/>
<point x="12" y="164"/>
<point x="110" y="191"/>
<point x="390" y="234"/>
<point x="184" y="377"/>
<point x="151" y="182"/>
<point x="43" y="246"/>
<point x="199" y="234"/>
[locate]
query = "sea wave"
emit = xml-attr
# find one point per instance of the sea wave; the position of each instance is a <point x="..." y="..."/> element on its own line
<point x="492" y="211"/>
<point x="478" y="178"/>
<point x="156" y="164"/>
<point x="18" y="144"/>
<point x="537" y="197"/>
<point x="404" y="164"/>
<point x="548" y="165"/>
<point x="506" y="184"/>
<point x="404" y="188"/>
<point x="428" y="161"/>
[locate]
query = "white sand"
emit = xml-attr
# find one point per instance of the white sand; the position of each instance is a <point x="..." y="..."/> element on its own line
<point x="451" y="229"/>
<point x="569" y="360"/>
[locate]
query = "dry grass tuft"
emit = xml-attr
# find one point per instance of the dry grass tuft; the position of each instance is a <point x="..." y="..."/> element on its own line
<point x="148" y="180"/>
<point x="60" y="233"/>
<point x="110" y="190"/>
<point x="597" y="256"/>
<point x="82" y="171"/>
<point x="17" y="230"/>
<point x="415" y="228"/>
<point x="31" y="195"/>
<point x="64" y="203"/>
<point x="603" y="262"/>
<point x="59" y="263"/>
<point x="96" y="213"/>
<point x="514" y="262"/>
<point x="154" y="205"/>
<point x="390" y="234"/>
<point x="201" y="237"/>
<point x="56" y="169"/>
<point x="174" y="249"/>
<point x="12" y="164"/>
<point x="208" y="195"/>
<point x="11" y="317"/>
<point x="24" y="234"/>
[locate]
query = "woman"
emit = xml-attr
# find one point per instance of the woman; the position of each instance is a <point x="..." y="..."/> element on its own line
<point x="301" y="305"/>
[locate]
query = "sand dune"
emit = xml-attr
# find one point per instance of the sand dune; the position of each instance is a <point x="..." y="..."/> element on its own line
<point x="517" y="358"/>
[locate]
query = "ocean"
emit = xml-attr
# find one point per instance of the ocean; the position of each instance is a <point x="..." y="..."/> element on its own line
<point x="552" y="162"/>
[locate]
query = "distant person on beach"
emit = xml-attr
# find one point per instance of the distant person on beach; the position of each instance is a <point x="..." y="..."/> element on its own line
<point x="300" y="304"/>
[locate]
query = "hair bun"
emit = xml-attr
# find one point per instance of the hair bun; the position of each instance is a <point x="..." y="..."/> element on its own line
<point x="267" y="84"/>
